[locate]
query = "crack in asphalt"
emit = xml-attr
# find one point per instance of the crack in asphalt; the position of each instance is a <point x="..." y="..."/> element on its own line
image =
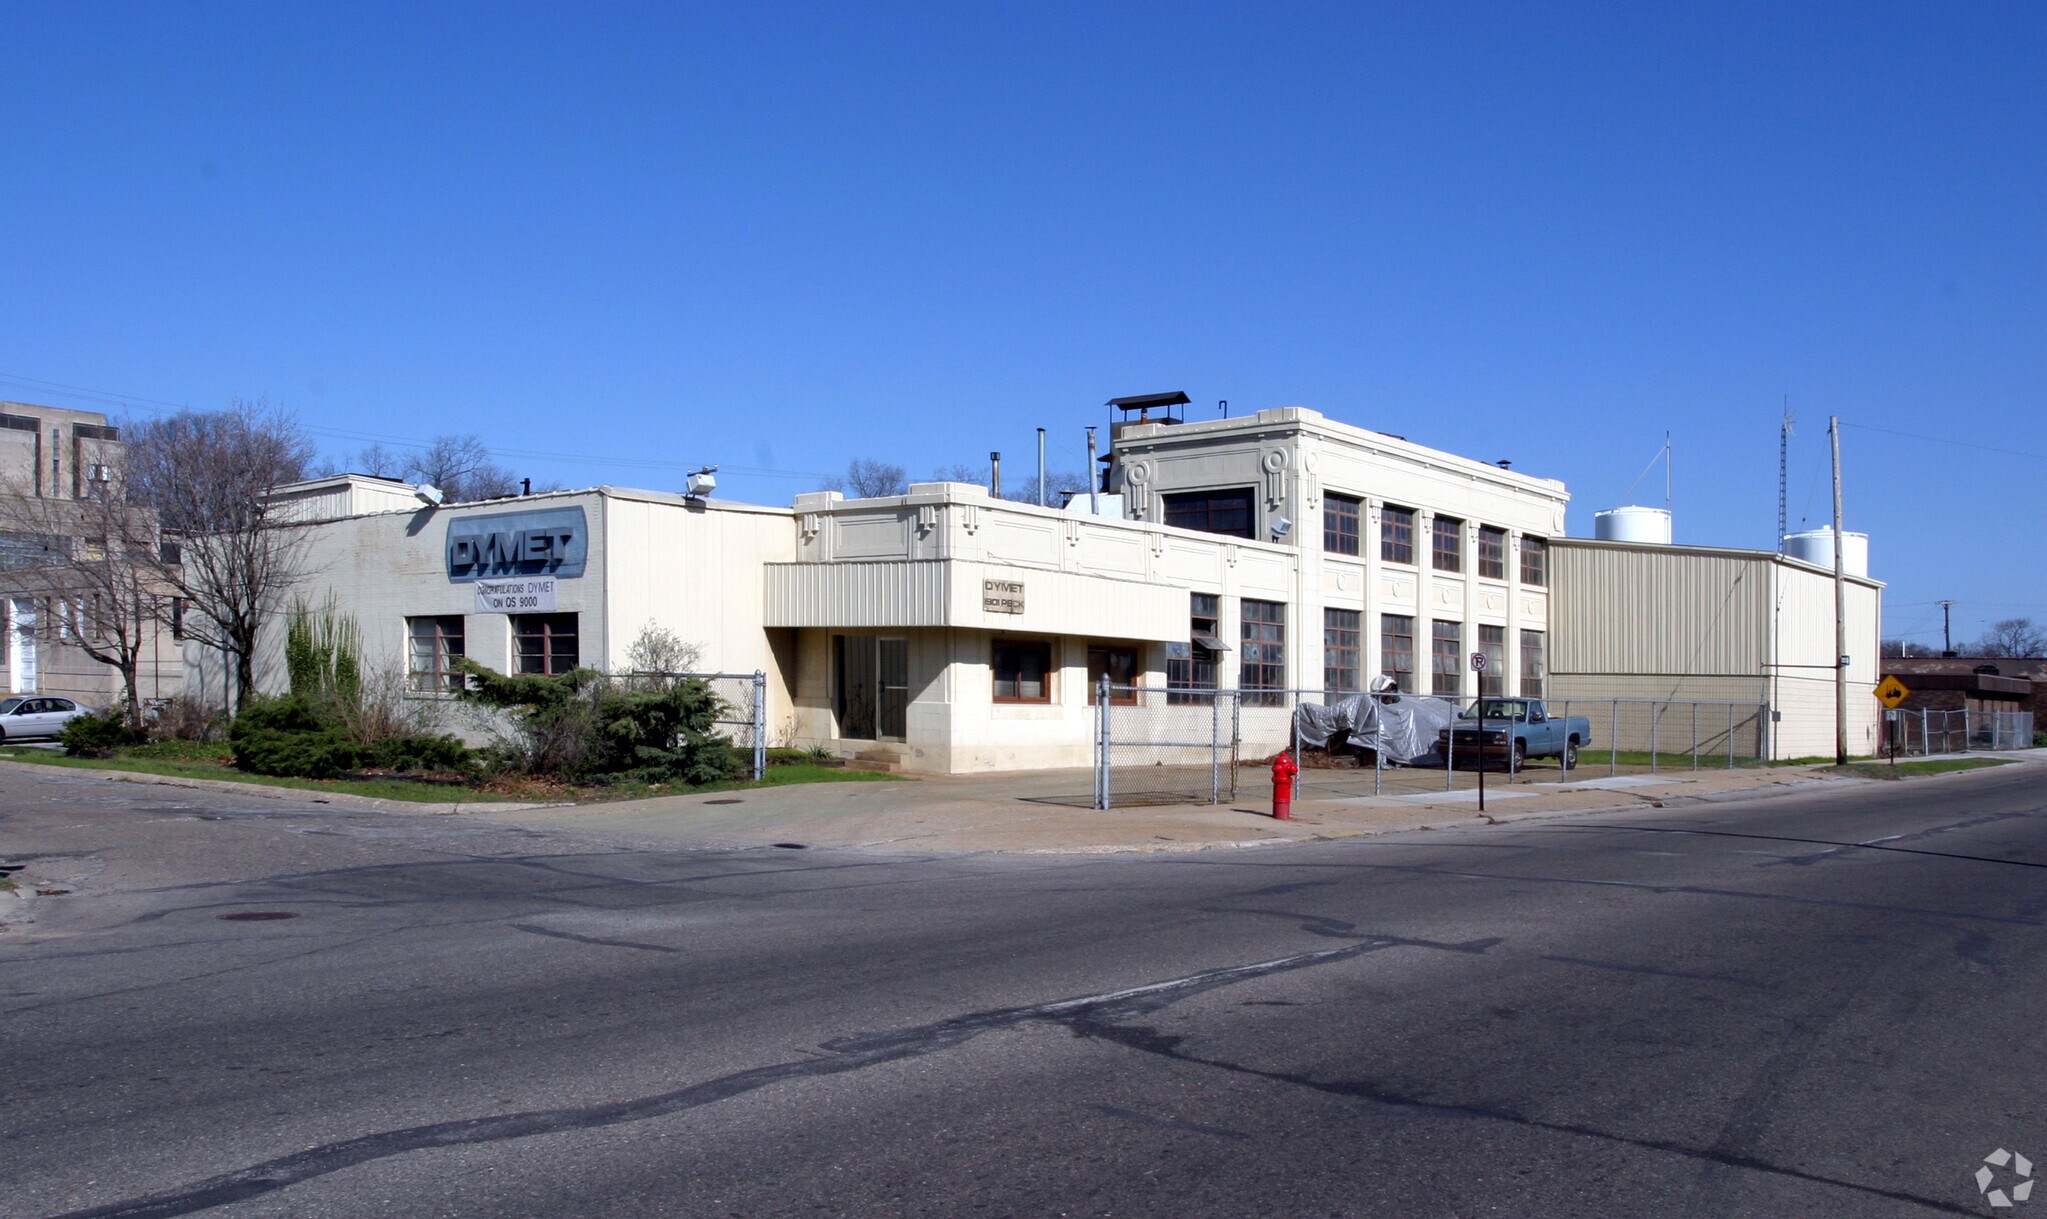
<point x="600" y="941"/>
<point x="1879" y="845"/>
<point x="844" y="1055"/>
<point x="1166" y="1045"/>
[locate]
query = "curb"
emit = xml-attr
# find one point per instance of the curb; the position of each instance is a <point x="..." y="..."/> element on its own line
<point x="312" y="795"/>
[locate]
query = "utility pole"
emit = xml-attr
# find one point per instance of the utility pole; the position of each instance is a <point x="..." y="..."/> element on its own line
<point x="1784" y="476"/>
<point x="1947" y="642"/>
<point x="1840" y="609"/>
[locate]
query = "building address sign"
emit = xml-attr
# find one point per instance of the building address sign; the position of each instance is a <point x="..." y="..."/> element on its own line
<point x="1002" y="596"/>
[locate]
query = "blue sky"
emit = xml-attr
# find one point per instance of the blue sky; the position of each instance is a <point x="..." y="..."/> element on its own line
<point x="779" y="237"/>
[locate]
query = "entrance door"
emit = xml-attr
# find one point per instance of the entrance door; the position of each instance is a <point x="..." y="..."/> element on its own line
<point x="22" y="647"/>
<point x="893" y="681"/>
<point x="853" y="685"/>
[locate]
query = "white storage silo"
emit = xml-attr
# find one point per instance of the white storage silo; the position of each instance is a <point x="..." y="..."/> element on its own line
<point x="1816" y="546"/>
<point x="1651" y="525"/>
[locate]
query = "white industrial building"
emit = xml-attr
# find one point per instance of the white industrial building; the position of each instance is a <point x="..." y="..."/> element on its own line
<point x="957" y="632"/>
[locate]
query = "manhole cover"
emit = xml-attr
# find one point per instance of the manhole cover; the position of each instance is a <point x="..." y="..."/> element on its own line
<point x="256" y="916"/>
<point x="790" y="846"/>
<point x="733" y="801"/>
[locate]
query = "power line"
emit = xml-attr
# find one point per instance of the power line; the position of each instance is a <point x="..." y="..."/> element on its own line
<point x="1987" y="448"/>
<point x="109" y="398"/>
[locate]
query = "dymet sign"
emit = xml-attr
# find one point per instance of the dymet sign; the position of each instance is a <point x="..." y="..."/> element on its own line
<point x="543" y="542"/>
<point x="1002" y="597"/>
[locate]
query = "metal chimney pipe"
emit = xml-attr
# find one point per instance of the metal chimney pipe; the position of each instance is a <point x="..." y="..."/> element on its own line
<point x="1041" y="467"/>
<point x="1094" y="478"/>
<point x="995" y="475"/>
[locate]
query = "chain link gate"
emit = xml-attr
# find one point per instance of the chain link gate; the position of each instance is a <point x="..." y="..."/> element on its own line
<point x="744" y="699"/>
<point x="1162" y="745"/>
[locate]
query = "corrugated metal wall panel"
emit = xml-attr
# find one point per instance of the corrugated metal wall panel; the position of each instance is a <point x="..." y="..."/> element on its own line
<point x="902" y="594"/>
<point x="1657" y="611"/>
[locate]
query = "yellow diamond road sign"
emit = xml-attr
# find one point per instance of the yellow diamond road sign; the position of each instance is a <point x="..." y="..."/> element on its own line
<point x="1890" y="691"/>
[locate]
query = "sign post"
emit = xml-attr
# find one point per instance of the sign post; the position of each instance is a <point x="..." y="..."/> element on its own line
<point x="1478" y="666"/>
<point x="1890" y="692"/>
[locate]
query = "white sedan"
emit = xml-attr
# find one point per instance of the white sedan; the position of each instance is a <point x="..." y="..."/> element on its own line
<point x="37" y="715"/>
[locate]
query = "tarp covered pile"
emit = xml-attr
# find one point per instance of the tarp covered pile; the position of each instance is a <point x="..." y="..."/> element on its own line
<point x="1402" y="727"/>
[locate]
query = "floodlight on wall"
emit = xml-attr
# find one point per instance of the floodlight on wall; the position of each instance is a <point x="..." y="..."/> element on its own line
<point x="429" y="495"/>
<point x="701" y="483"/>
<point x="1281" y="526"/>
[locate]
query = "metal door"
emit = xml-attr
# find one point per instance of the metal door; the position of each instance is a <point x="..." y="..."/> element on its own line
<point x="892" y="668"/>
<point x="853" y="698"/>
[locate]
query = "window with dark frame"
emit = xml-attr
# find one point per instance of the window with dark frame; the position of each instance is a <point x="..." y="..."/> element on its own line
<point x="1229" y="513"/>
<point x="544" y="643"/>
<point x="437" y="641"/>
<point x="1447" y="544"/>
<point x="1446" y="659"/>
<point x="1195" y="670"/>
<point x="1340" y="515"/>
<point x="1263" y="667"/>
<point x="1120" y="666"/>
<point x="1534" y="561"/>
<point x="1023" y="671"/>
<point x="1396" y="650"/>
<point x="1492" y="553"/>
<point x="1340" y="652"/>
<point x="1396" y="534"/>
<point x="1492" y="640"/>
<point x="1531" y="664"/>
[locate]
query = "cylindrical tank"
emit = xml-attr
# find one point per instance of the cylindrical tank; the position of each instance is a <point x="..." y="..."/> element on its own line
<point x="1650" y="525"/>
<point x="1816" y="546"/>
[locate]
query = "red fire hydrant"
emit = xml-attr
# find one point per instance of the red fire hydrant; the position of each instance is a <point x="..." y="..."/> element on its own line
<point x="1283" y="772"/>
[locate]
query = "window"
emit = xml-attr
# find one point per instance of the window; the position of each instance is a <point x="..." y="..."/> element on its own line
<point x="1531" y="664"/>
<point x="1534" y="561"/>
<point x="1264" y="665"/>
<point x="1448" y="550"/>
<point x="1023" y="671"/>
<point x="1396" y="534"/>
<point x="1492" y="553"/>
<point x="1340" y="524"/>
<point x="1120" y="666"/>
<point x="544" y="643"/>
<point x="1445" y="657"/>
<point x="1340" y="652"/>
<point x="436" y="644"/>
<point x="1396" y="650"/>
<point x="1492" y="640"/>
<point x="177" y="617"/>
<point x="1225" y="512"/>
<point x="1191" y="665"/>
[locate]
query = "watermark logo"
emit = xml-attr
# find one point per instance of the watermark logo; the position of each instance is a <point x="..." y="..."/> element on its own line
<point x="2015" y="1166"/>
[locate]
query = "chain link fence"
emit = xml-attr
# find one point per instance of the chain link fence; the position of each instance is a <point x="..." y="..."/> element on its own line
<point x="1927" y="731"/>
<point x="1159" y="745"/>
<point x="743" y="701"/>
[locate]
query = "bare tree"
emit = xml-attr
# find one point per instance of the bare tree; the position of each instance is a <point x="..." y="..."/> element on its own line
<point x="94" y="562"/>
<point x="1021" y="488"/>
<point x="2013" y="637"/>
<point x="867" y="478"/>
<point x="462" y="468"/>
<point x="207" y="474"/>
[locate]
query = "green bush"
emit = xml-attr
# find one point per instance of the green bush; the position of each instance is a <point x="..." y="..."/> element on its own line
<point x="582" y="725"/>
<point x="96" y="736"/>
<point x="291" y="736"/>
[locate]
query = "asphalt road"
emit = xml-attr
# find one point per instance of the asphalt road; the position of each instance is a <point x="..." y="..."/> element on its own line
<point x="1821" y="1004"/>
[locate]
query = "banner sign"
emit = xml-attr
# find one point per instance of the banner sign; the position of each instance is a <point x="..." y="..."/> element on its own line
<point x="506" y="545"/>
<point x="535" y="596"/>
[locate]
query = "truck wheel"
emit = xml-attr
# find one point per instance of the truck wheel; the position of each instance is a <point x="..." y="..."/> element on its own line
<point x="1571" y="753"/>
<point x="1519" y="759"/>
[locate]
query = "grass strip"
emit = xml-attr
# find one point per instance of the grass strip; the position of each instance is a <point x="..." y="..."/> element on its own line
<point x="418" y="791"/>
<point x="1909" y="770"/>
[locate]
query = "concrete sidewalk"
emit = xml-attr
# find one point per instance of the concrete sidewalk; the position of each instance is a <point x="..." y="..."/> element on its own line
<point x="1018" y="812"/>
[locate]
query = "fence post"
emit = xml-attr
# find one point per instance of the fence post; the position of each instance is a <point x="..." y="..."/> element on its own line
<point x="1613" y="739"/>
<point x="1730" y="736"/>
<point x="1450" y="753"/>
<point x="1379" y="759"/>
<point x="1654" y="719"/>
<point x="1102" y="743"/>
<point x="1695" y="736"/>
<point x="760" y="725"/>
<point x="1215" y="749"/>
<point x="1564" y="758"/>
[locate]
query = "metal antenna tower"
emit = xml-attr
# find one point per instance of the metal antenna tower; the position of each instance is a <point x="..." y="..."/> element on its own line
<point x="1783" y="477"/>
